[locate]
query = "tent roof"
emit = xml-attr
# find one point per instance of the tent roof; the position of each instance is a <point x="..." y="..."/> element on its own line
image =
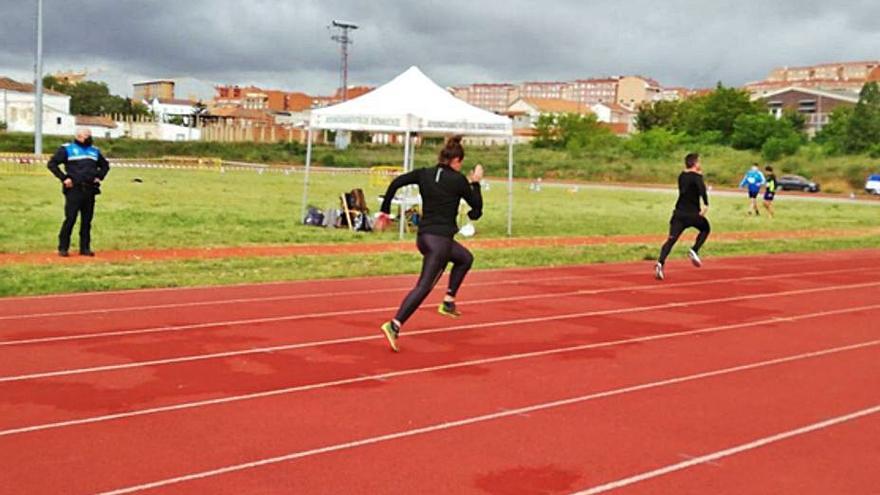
<point x="411" y="102"/>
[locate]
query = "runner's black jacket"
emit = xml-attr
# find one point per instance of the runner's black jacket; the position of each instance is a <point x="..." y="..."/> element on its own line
<point x="442" y="190"/>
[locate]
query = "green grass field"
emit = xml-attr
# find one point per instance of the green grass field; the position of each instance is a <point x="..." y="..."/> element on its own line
<point x="173" y="208"/>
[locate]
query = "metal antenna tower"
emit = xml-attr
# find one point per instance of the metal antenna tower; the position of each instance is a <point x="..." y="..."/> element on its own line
<point x="343" y="37"/>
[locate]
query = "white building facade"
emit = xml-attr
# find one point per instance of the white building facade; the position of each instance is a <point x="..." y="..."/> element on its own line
<point x="17" y="104"/>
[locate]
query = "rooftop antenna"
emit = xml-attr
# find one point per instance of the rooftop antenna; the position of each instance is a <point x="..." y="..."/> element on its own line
<point x="343" y="37"/>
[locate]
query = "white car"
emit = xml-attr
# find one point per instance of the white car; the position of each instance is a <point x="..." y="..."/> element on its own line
<point x="872" y="186"/>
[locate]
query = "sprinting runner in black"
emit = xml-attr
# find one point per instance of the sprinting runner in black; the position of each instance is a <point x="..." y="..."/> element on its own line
<point x="442" y="188"/>
<point x="688" y="213"/>
<point x="769" y="190"/>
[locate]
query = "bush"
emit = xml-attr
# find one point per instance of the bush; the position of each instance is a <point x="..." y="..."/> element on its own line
<point x="653" y="144"/>
<point x="777" y="147"/>
<point x="327" y="160"/>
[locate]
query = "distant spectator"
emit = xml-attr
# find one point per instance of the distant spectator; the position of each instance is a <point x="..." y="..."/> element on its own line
<point x="753" y="180"/>
<point x="769" y="190"/>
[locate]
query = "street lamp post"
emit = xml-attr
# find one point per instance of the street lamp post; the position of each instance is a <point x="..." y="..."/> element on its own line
<point x="38" y="83"/>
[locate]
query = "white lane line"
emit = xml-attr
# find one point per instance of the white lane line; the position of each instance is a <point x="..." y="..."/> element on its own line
<point x="522" y="321"/>
<point x="726" y="263"/>
<point x="319" y="281"/>
<point x="430" y="369"/>
<point x="486" y="417"/>
<point x="275" y="319"/>
<point x="289" y="297"/>
<point x="710" y="458"/>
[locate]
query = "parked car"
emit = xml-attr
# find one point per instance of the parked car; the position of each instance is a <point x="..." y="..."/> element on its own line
<point x="872" y="185"/>
<point x="797" y="183"/>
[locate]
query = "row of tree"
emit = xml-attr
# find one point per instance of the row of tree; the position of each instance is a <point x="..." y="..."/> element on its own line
<point x="94" y="98"/>
<point x="726" y="116"/>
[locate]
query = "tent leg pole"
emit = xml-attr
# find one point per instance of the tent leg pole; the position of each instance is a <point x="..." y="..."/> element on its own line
<point x="509" y="187"/>
<point x="305" y="203"/>
<point x="401" y="220"/>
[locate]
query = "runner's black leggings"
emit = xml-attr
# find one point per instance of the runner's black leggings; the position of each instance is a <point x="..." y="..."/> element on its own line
<point x="677" y="225"/>
<point x="437" y="251"/>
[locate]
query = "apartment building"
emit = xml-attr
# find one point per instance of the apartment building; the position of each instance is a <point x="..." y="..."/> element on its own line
<point x="815" y="105"/>
<point x="842" y="76"/>
<point x="148" y="90"/>
<point x="592" y="91"/>
<point x="493" y="97"/>
<point x="632" y="91"/>
<point x="542" y="90"/>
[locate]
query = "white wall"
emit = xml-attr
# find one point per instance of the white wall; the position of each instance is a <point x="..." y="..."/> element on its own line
<point x="167" y="110"/>
<point x="159" y="131"/>
<point x="170" y="132"/>
<point x="603" y="113"/>
<point x="17" y="110"/>
<point x="101" y="132"/>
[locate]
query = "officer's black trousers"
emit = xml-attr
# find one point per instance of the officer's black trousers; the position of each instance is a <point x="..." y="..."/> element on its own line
<point x="77" y="201"/>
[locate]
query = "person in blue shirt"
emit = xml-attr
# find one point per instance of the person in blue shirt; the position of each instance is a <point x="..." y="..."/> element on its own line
<point x="84" y="169"/>
<point x="752" y="181"/>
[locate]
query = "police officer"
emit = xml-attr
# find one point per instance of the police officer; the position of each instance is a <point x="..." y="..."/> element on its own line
<point x="84" y="169"/>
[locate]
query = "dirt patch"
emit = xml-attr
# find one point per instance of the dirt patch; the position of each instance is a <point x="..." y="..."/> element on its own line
<point x="399" y="246"/>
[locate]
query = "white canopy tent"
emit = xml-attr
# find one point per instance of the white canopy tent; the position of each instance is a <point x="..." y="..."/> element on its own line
<point x="412" y="103"/>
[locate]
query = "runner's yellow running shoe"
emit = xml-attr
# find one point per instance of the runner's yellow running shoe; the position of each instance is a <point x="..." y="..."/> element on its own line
<point x="448" y="309"/>
<point x="391" y="332"/>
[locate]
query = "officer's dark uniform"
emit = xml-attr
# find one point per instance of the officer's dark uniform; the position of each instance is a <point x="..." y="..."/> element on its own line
<point x="82" y="164"/>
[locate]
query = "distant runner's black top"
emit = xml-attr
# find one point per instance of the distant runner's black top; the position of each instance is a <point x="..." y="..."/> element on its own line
<point x="442" y="190"/>
<point x="690" y="189"/>
<point x="771" y="183"/>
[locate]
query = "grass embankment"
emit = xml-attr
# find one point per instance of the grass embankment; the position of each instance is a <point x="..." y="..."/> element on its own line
<point x="724" y="165"/>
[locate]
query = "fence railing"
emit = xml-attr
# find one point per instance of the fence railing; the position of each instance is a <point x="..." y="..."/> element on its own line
<point x="30" y="164"/>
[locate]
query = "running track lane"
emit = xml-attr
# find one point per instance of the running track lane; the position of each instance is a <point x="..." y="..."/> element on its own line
<point x="114" y="313"/>
<point x="84" y="351"/>
<point x="557" y="449"/>
<point x="846" y="454"/>
<point x="145" y="449"/>
<point x="54" y="399"/>
<point x="148" y="297"/>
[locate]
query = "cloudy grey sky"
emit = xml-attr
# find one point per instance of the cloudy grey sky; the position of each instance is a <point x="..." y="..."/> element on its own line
<point x="285" y="43"/>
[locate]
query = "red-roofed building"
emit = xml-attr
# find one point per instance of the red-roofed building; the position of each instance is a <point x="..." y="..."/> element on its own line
<point x="526" y="111"/>
<point x="621" y="119"/>
<point x="100" y="126"/>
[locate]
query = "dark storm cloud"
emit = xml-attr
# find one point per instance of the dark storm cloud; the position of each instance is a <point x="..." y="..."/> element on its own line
<point x="285" y="42"/>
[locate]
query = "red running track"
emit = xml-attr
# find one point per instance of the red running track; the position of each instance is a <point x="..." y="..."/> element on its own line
<point x="751" y="375"/>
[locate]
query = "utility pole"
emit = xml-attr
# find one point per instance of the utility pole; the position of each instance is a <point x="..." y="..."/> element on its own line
<point x="38" y="83"/>
<point x="344" y="39"/>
